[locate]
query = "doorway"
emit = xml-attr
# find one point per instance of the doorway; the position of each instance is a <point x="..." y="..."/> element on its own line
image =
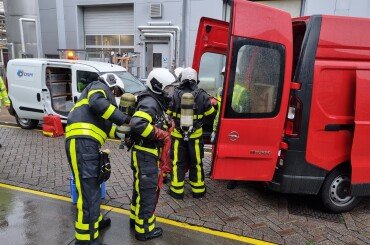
<point x="157" y="55"/>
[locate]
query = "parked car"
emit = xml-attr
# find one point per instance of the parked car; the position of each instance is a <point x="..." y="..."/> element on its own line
<point x="38" y="87"/>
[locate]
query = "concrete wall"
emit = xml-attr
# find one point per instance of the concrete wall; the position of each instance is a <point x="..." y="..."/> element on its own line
<point x="356" y="8"/>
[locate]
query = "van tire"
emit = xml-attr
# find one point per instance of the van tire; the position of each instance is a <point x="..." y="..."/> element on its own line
<point x="26" y="123"/>
<point x="335" y="192"/>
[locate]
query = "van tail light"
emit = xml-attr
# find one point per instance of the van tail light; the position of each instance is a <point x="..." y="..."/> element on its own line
<point x="294" y="117"/>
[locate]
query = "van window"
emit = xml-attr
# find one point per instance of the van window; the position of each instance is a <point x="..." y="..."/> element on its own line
<point x="84" y="78"/>
<point x="256" y="78"/>
<point x="210" y="77"/>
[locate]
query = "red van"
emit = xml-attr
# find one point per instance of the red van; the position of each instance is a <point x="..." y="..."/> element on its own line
<point x="304" y="124"/>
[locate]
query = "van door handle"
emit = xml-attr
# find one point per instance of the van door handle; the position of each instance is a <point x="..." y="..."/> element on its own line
<point x="75" y="99"/>
<point x="38" y="97"/>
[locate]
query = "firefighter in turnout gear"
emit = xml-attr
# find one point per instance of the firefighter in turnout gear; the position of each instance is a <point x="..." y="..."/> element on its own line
<point x="3" y="97"/>
<point x="189" y="108"/>
<point x="148" y="132"/>
<point x="90" y="122"/>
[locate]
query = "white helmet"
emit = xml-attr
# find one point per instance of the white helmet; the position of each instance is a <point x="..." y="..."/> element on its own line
<point x="112" y="80"/>
<point x="178" y="71"/>
<point x="189" y="74"/>
<point x="158" y="79"/>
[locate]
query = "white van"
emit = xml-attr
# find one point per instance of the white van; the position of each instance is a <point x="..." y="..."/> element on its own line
<point x="38" y="87"/>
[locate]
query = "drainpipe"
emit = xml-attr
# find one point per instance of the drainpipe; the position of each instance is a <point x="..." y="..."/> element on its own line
<point x="164" y="29"/>
<point x="175" y="43"/>
<point x="21" y="20"/>
<point x="183" y="44"/>
<point x="171" y="41"/>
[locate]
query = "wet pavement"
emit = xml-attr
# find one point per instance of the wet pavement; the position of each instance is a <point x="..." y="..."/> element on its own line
<point x="32" y="219"/>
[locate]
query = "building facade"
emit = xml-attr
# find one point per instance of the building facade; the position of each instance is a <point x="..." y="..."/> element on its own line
<point x="155" y="33"/>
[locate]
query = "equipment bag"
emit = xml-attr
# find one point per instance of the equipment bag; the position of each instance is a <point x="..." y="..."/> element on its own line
<point x="52" y="126"/>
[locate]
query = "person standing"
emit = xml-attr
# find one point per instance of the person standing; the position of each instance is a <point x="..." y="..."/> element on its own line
<point x="188" y="146"/>
<point x="89" y="124"/>
<point x="149" y="135"/>
<point x="3" y="97"/>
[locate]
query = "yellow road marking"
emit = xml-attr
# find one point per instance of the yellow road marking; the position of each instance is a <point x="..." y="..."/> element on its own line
<point x="161" y="220"/>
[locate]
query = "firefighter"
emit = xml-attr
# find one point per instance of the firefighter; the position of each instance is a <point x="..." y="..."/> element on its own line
<point x="187" y="141"/>
<point x="3" y="97"/>
<point x="89" y="123"/>
<point x="148" y="133"/>
<point x="241" y="96"/>
<point x="218" y="97"/>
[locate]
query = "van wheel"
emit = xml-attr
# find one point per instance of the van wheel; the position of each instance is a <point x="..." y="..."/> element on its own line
<point x="26" y="123"/>
<point x="336" y="192"/>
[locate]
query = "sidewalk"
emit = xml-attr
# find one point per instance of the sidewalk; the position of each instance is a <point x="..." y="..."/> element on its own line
<point x="30" y="160"/>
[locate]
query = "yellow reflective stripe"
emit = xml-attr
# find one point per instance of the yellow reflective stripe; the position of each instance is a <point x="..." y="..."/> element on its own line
<point x="49" y="134"/>
<point x="197" y="184"/>
<point x="194" y="116"/>
<point x="144" y="115"/>
<point x="150" y="150"/>
<point x="95" y="91"/>
<point x="72" y="152"/>
<point x="210" y="111"/>
<point x="151" y="219"/>
<point x="198" y="190"/>
<point x="136" y="166"/>
<point x="82" y="226"/>
<point x="141" y="230"/>
<point x="176" y="190"/>
<point x="176" y="133"/>
<point x="88" y="129"/>
<point x="141" y="221"/>
<point x="175" y="180"/>
<point x="147" y="130"/>
<point x="178" y="184"/>
<point x="108" y="112"/>
<point x="112" y="132"/>
<point x="96" y="224"/>
<point x="197" y="155"/>
<point x="132" y="216"/>
<point x="169" y="112"/>
<point x="198" y="133"/>
<point x="80" y="103"/>
<point x="86" y="132"/>
<point x="86" y="237"/>
<point x="133" y="208"/>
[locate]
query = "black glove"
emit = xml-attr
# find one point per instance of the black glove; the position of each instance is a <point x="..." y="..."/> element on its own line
<point x="105" y="167"/>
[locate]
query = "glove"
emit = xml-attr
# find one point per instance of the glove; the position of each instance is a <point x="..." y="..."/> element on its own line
<point x="213" y="137"/>
<point x="161" y="135"/>
<point x="105" y="167"/>
<point x="127" y="119"/>
<point x="213" y="101"/>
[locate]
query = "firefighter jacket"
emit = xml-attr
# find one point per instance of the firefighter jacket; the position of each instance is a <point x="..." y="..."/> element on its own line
<point x="241" y="99"/>
<point x="3" y="94"/>
<point x="202" y="108"/>
<point x="150" y="113"/>
<point x="94" y="114"/>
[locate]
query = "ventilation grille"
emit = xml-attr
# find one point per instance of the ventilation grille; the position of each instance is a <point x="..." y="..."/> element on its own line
<point x="155" y="10"/>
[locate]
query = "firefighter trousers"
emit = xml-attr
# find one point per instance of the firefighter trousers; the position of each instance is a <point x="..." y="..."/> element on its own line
<point x="83" y="157"/>
<point x="187" y="152"/>
<point x="144" y="196"/>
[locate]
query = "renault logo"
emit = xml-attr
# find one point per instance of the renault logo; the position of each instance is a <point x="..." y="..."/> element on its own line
<point x="233" y="136"/>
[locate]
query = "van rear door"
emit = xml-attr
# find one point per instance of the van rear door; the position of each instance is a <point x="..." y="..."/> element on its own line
<point x="257" y="84"/>
<point x="360" y="154"/>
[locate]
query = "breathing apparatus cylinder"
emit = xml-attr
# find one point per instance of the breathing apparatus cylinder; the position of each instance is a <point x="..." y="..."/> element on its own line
<point x="127" y="104"/>
<point x="187" y="114"/>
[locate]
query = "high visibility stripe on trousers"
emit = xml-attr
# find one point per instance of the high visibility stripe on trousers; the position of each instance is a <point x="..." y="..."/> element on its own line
<point x="176" y="185"/>
<point x="198" y="186"/>
<point x="139" y="223"/>
<point x="82" y="229"/>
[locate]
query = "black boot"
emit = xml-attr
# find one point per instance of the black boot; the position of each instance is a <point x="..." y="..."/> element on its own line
<point x="175" y="195"/>
<point x="104" y="223"/>
<point x="156" y="232"/>
<point x="232" y="184"/>
<point x="132" y="224"/>
<point x="199" y="195"/>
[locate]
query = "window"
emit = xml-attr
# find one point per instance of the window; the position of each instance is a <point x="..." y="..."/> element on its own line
<point x="111" y="40"/>
<point x="210" y="77"/>
<point x="93" y="40"/>
<point x="256" y="79"/>
<point x="127" y="40"/>
<point x="118" y="43"/>
<point x="84" y="78"/>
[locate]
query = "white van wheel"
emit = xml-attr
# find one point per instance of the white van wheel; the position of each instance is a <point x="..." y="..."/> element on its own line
<point x="26" y="123"/>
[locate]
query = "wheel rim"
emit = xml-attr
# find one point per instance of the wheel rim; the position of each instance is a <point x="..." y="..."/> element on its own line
<point x="24" y="122"/>
<point x="340" y="191"/>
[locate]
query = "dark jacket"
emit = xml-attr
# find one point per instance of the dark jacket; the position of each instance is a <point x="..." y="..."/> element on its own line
<point x="94" y="114"/>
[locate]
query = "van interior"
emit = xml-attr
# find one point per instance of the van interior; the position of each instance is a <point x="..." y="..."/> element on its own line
<point x="58" y="81"/>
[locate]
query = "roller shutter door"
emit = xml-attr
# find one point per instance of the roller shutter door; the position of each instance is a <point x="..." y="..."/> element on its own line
<point x="109" y="20"/>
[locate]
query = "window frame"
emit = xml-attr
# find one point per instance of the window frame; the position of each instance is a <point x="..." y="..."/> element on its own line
<point x="238" y="43"/>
